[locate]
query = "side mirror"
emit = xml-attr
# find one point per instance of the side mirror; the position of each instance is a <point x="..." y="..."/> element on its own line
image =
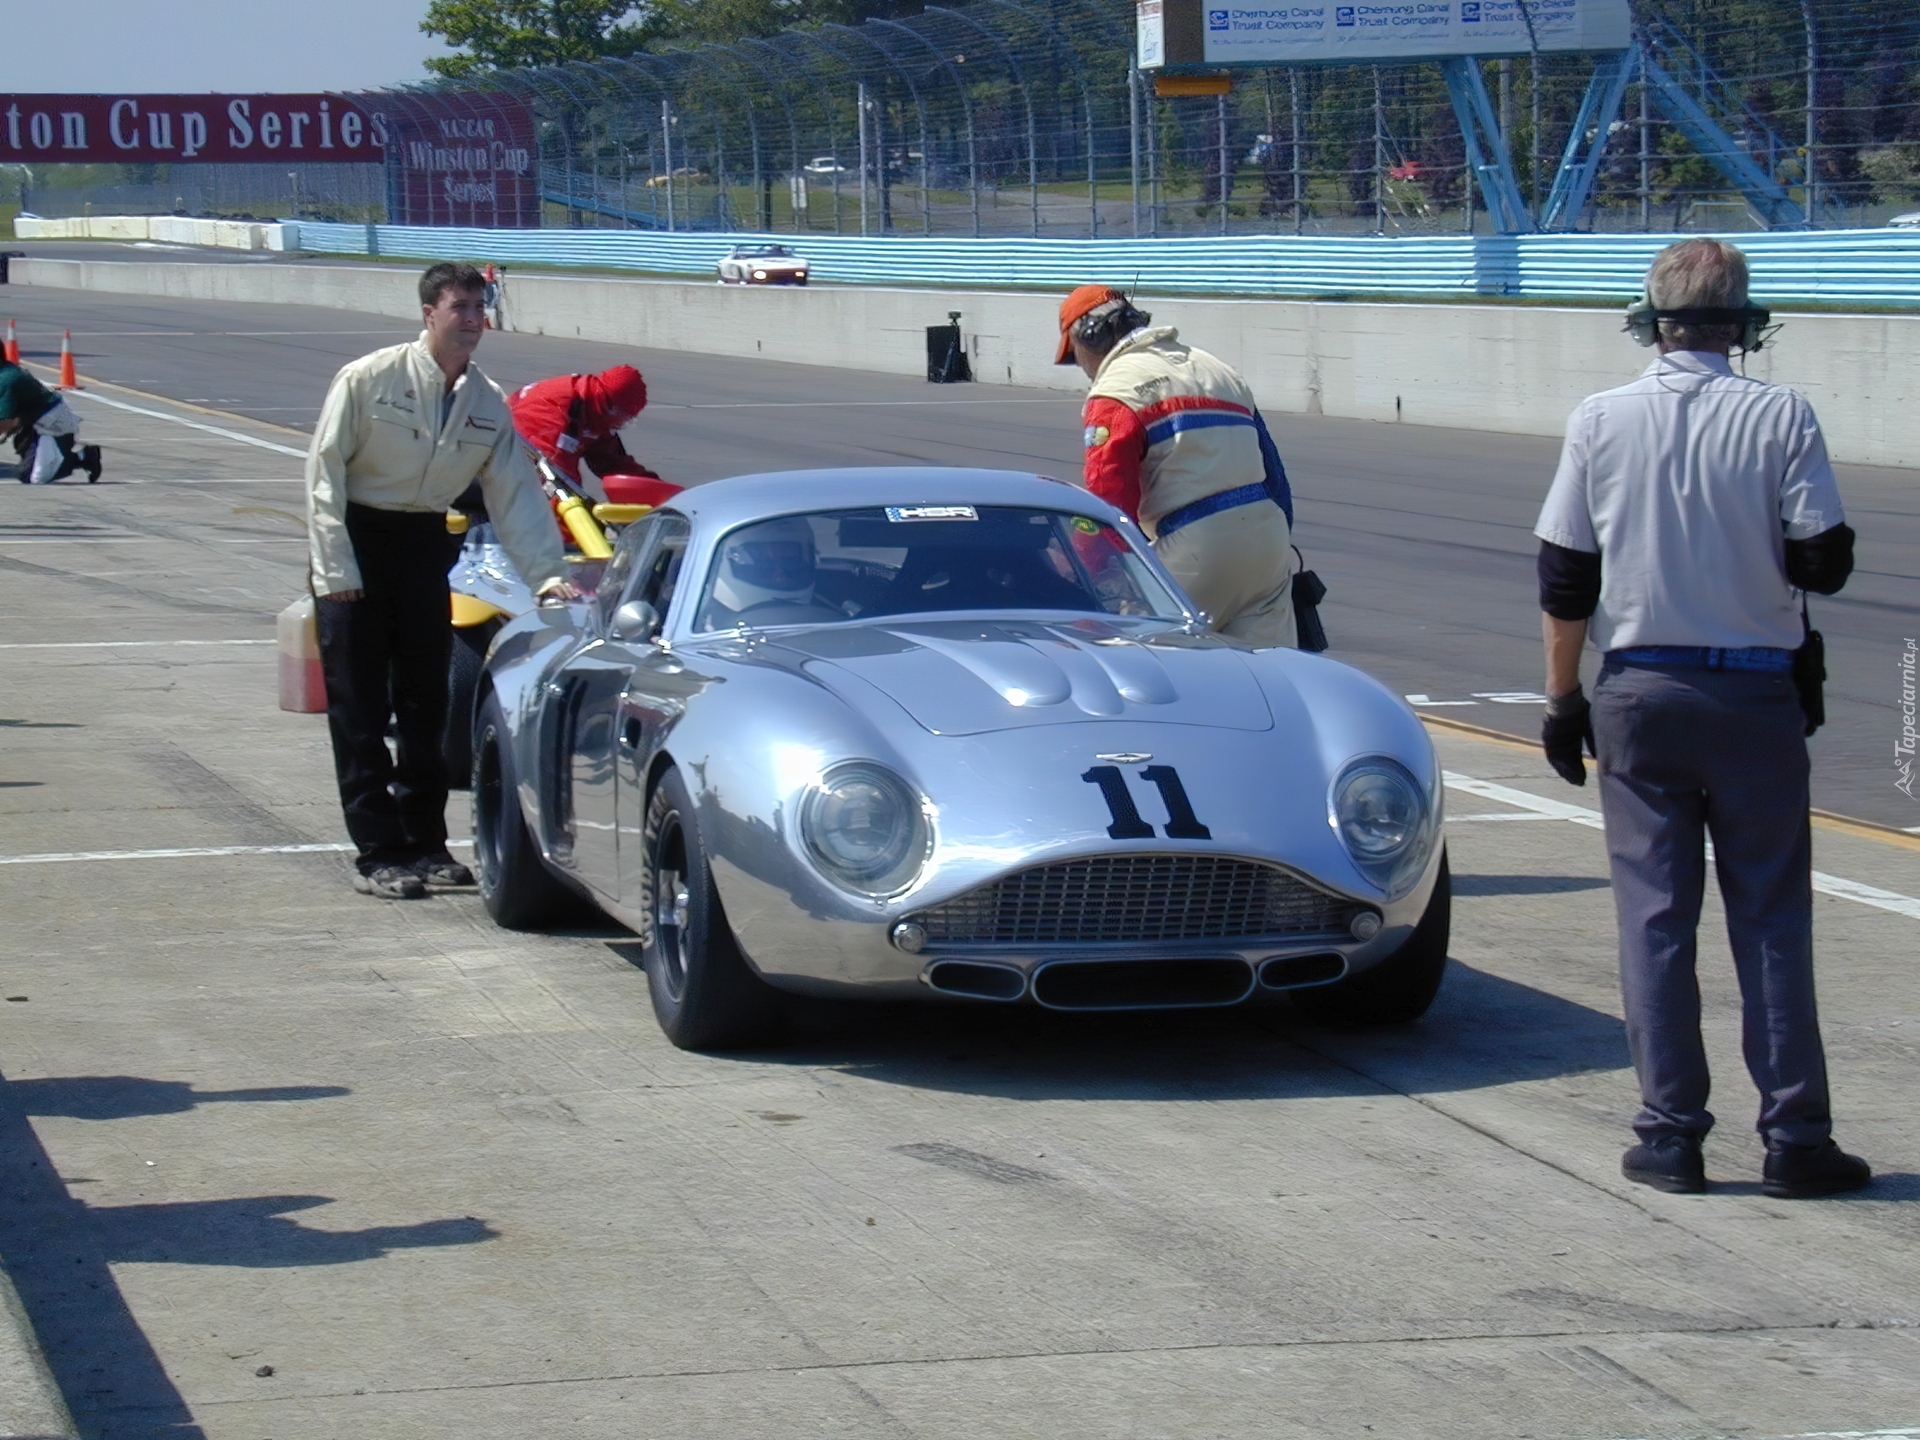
<point x="635" y="620"/>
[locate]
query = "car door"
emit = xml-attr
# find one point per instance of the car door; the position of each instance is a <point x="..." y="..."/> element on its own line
<point x="586" y="691"/>
<point x="657" y="689"/>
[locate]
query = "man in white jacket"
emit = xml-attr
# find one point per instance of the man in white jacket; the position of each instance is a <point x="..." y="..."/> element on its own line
<point x="1174" y="439"/>
<point x="402" y="433"/>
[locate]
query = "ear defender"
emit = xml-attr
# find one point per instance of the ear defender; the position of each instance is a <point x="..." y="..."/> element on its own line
<point x="1643" y="321"/>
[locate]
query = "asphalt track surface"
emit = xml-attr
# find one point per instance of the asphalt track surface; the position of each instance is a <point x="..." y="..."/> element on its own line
<point x="280" y="1161"/>
<point x="1423" y="535"/>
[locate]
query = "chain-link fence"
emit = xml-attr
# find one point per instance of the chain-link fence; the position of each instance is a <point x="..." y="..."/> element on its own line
<point x="1025" y="117"/>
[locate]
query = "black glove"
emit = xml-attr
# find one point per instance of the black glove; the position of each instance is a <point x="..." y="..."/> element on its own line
<point x="1569" y="725"/>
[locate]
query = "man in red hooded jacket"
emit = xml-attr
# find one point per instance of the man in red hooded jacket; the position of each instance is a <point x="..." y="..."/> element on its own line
<point x="572" y="418"/>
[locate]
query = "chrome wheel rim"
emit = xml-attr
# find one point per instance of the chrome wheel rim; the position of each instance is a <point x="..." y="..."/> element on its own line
<point x="672" y="903"/>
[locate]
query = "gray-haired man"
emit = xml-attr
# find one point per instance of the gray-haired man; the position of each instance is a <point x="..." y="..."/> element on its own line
<point x="1690" y="509"/>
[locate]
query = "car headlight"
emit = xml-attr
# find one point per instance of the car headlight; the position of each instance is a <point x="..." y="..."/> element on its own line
<point x="865" y="828"/>
<point x="759" y="274"/>
<point x="1382" y="816"/>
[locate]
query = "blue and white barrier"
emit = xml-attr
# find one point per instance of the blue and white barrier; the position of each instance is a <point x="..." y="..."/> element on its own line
<point x="1873" y="267"/>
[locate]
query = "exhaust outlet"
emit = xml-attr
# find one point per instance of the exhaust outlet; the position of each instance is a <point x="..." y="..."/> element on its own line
<point x="975" y="980"/>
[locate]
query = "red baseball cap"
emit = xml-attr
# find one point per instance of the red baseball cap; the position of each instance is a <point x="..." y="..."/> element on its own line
<point x="1083" y="301"/>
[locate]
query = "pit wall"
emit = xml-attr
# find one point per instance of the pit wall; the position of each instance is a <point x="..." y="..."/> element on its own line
<point x="1514" y="369"/>
<point x="168" y="229"/>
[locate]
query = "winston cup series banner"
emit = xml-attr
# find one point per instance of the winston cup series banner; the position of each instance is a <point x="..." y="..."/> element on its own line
<point x="453" y="158"/>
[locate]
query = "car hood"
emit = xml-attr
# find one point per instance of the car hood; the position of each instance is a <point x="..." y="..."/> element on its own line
<point x="967" y="677"/>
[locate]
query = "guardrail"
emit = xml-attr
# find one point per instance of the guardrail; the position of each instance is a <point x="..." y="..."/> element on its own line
<point x="1873" y="267"/>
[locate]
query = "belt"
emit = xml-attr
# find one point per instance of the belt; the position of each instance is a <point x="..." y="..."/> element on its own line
<point x="1708" y="657"/>
<point x="1211" y="505"/>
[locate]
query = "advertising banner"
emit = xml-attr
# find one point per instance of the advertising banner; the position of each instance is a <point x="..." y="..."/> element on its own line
<point x="461" y="159"/>
<point x="206" y="129"/>
<point x="1334" y="32"/>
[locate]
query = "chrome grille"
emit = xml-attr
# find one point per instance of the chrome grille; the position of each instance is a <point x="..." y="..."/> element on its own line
<point x="1137" y="898"/>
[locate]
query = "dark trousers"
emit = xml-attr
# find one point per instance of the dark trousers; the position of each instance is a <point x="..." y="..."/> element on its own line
<point x="385" y="655"/>
<point x="1686" y="753"/>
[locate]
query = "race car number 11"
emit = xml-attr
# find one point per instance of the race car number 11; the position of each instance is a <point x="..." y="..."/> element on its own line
<point x="1128" y="823"/>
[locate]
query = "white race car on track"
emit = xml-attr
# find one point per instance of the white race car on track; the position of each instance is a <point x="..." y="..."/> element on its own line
<point x="762" y="265"/>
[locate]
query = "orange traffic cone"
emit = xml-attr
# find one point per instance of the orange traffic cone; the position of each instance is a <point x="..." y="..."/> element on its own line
<point x="68" y="379"/>
<point x="12" y="351"/>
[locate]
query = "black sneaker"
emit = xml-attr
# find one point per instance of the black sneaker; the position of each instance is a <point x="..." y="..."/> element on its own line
<point x="1805" y="1172"/>
<point x="90" y="462"/>
<point x="1672" y="1163"/>
<point x="389" y="882"/>
<point x="442" y="872"/>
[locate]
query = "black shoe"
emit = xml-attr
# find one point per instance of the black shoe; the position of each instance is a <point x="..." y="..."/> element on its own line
<point x="389" y="882"/>
<point x="1672" y="1163"/>
<point x="442" y="872"/>
<point x="90" y="462"/>
<point x="1804" y="1172"/>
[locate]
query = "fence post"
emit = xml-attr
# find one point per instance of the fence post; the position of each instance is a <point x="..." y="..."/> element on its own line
<point x="1133" y="139"/>
<point x="861" y="116"/>
<point x="1220" y="117"/>
<point x="1293" y="92"/>
<point x="666" y="153"/>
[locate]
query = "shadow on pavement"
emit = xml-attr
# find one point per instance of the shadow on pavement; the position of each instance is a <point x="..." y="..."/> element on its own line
<point x="121" y="1097"/>
<point x="59" y="1251"/>
<point x="1483" y="1031"/>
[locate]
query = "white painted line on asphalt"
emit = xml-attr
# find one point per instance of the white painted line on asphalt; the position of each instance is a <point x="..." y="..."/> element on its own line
<point x="1837" y="886"/>
<point x="114" y="644"/>
<point x="1504" y="815"/>
<point x="273" y="445"/>
<point x="200" y="852"/>
<point x="853" y="404"/>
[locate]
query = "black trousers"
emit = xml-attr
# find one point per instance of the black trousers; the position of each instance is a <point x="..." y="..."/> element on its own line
<point x="385" y="656"/>
<point x="1684" y="754"/>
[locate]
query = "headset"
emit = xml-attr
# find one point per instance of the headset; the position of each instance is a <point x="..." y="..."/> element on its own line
<point x="1755" y="321"/>
<point x="1103" y="329"/>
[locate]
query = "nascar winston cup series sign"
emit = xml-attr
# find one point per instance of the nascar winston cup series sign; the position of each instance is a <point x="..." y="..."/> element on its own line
<point x="454" y="158"/>
<point x="1334" y="32"/>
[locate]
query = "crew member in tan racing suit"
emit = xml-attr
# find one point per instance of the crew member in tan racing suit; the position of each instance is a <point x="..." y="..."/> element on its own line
<point x="1173" y="438"/>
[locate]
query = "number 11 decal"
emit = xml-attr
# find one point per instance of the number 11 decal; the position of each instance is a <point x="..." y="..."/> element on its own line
<point x="1128" y="824"/>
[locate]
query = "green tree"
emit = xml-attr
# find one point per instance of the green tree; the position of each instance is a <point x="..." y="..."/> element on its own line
<point x="497" y="34"/>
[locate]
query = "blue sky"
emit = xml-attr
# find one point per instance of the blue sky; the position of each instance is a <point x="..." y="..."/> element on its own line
<point x="133" y="46"/>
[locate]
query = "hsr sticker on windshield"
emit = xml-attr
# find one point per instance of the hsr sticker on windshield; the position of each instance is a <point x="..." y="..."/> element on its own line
<point x="898" y="513"/>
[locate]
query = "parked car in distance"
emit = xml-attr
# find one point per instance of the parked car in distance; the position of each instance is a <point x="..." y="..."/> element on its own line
<point x="762" y="265"/>
<point x="824" y="165"/>
<point x="1908" y="221"/>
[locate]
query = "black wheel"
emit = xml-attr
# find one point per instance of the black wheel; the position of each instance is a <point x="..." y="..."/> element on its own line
<point x="705" y="995"/>
<point x="519" y="891"/>
<point x="464" y="664"/>
<point x="1399" y="988"/>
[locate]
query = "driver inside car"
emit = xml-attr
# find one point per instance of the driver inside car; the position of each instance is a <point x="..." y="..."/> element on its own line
<point x="767" y="569"/>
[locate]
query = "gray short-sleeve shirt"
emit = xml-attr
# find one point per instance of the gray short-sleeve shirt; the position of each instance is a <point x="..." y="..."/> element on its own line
<point x="1687" y="483"/>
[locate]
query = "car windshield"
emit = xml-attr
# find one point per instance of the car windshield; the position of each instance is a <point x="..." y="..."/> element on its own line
<point x="917" y="559"/>
<point x="753" y="251"/>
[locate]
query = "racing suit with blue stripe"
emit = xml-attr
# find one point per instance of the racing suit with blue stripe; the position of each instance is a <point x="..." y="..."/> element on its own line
<point x="1174" y="439"/>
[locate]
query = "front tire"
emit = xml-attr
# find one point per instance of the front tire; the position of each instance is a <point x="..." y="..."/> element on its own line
<point x="519" y="891"/>
<point x="1401" y="987"/>
<point x="705" y="995"/>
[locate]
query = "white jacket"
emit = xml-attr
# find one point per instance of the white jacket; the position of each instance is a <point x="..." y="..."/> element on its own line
<point x="380" y="443"/>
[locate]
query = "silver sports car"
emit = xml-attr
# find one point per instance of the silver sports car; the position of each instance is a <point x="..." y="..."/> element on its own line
<point x="949" y="734"/>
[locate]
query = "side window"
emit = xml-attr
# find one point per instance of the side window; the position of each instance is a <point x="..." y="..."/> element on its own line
<point x="657" y="575"/>
<point x="613" y="579"/>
